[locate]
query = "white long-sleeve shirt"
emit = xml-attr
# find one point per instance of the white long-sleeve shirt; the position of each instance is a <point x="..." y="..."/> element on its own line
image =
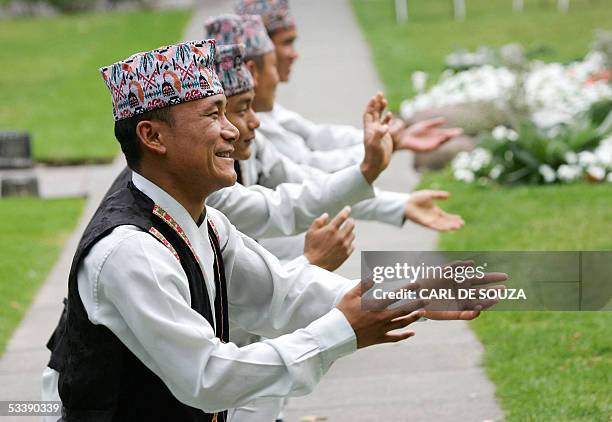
<point x="289" y="208"/>
<point x="268" y="167"/>
<point x="326" y="147"/>
<point x="317" y="136"/>
<point x="152" y="316"/>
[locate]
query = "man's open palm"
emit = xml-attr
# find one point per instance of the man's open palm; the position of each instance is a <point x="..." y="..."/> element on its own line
<point x="423" y="136"/>
<point x="422" y="210"/>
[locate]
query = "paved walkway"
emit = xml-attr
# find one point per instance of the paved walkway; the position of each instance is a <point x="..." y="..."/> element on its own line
<point x="433" y="377"/>
<point x="25" y="358"/>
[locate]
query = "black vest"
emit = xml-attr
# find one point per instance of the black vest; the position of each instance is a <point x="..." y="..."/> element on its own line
<point x="100" y="379"/>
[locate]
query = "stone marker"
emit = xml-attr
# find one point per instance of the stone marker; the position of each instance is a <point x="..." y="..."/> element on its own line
<point x="19" y="186"/>
<point x="15" y="150"/>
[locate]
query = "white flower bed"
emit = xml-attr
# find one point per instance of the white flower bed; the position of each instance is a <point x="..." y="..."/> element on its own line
<point x="554" y="93"/>
<point x="481" y="165"/>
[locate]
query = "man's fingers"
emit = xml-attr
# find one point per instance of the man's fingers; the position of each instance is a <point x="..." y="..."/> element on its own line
<point x="405" y="307"/>
<point x="453" y="315"/>
<point x="443" y="225"/>
<point x="321" y="220"/>
<point x="453" y="132"/>
<point x="448" y="222"/>
<point x="364" y="286"/>
<point x="351" y="250"/>
<point x="388" y="118"/>
<point x="402" y="322"/>
<point x="395" y="337"/>
<point x="371" y="113"/>
<point x="384" y="103"/>
<point x="402" y="308"/>
<point x="435" y="122"/>
<point x="439" y="194"/>
<point x="341" y="217"/>
<point x="492" y="277"/>
<point x="372" y="104"/>
<point x="480" y="304"/>
<point x="347" y="228"/>
<point x="458" y="263"/>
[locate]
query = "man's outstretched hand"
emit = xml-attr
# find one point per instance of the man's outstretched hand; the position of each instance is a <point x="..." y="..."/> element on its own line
<point x="421" y="209"/>
<point x="423" y="136"/>
<point x="461" y="309"/>
<point x="377" y="139"/>
<point x="329" y="243"/>
<point x="376" y="326"/>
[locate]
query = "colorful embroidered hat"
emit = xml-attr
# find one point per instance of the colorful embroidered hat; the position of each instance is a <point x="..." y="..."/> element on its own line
<point x="275" y="13"/>
<point x="225" y="29"/>
<point x="232" y="71"/>
<point x="234" y="29"/>
<point x="256" y="37"/>
<point x="166" y="76"/>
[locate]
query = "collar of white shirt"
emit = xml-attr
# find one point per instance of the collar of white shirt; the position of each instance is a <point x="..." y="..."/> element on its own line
<point x="198" y="236"/>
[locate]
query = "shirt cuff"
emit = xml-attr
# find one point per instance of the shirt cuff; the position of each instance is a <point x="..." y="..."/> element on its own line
<point x="300" y="261"/>
<point x="390" y="207"/>
<point x="334" y="335"/>
<point x="350" y="186"/>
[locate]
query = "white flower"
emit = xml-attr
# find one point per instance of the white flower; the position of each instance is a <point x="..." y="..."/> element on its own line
<point x="609" y="178"/>
<point x="547" y="173"/>
<point x="512" y="135"/>
<point x="603" y="153"/>
<point x="480" y="157"/>
<point x="461" y="161"/>
<point x="604" y="156"/>
<point x="570" y="157"/>
<point x="464" y="176"/>
<point x="500" y="133"/>
<point x="596" y="172"/>
<point x="568" y="173"/>
<point x="496" y="172"/>
<point x="586" y="158"/>
<point x="419" y="81"/>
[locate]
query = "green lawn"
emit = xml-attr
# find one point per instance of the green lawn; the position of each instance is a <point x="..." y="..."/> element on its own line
<point x="547" y="366"/>
<point x="431" y="33"/>
<point x="33" y="233"/>
<point x="51" y="86"/>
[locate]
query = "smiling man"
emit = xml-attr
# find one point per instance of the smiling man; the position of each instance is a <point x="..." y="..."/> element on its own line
<point x="158" y="275"/>
<point x="326" y="147"/>
<point x="270" y="168"/>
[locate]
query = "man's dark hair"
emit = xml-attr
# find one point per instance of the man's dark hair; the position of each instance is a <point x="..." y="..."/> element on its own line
<point x="258" y="60"/>
<point x="125" y="132"/>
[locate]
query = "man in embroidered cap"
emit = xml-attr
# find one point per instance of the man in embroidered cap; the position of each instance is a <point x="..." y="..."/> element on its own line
<point x="327" y="147"/>
<point x="269" y="168"/>
<point x="258" y="212"/>
<point x="157" y="274"/>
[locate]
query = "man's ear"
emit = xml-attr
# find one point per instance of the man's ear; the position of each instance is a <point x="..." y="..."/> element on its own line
<point x="254" y="69"/>
<point x="150" y="135"/>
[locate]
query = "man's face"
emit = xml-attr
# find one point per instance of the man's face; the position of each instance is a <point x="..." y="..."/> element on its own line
<point x="286" y="54"/>
<point x="199" y="144"/>
<point x="241" y="114"/>
<point x="266" y="82"/>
